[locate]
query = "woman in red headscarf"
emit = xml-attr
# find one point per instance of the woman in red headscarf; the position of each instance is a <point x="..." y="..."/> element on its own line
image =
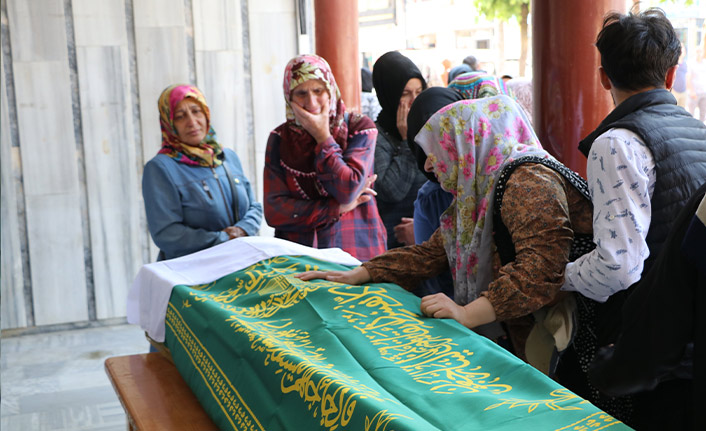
<point x="319" y="167"/>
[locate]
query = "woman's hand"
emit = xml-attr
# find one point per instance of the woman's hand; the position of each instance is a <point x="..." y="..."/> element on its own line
<point x="441" y="306"/>
<point x="358" y="275"/>
<point x="365" y="195"/>
<point x="404" y="232"/>
<point x="235" y="232"/>
<point x="316" y="124"/>
<point x="478" y="312"/>
<point x="402" y="111"/>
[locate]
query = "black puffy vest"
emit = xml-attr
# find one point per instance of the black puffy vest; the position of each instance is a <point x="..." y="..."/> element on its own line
<point x="678" y="145"/>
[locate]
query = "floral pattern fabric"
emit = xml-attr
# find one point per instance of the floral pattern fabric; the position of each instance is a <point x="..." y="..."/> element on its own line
<point x="468" y="143"/>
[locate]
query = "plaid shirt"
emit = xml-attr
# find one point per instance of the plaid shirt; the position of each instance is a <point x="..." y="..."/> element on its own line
<point x="317" y="223"/>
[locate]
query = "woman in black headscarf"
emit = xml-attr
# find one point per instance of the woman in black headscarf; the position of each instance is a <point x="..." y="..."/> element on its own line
<point x="397" y="81"/>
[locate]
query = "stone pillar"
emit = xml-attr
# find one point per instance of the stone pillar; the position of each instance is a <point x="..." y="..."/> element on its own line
<point x="569" y="101"/>
<point x="336" y="34"/>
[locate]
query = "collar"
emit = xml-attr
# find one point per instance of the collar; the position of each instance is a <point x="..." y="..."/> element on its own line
<point x="632" y="104"/>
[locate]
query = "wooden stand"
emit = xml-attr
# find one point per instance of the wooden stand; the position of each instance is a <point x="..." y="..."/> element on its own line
<point x="154" y="395"/>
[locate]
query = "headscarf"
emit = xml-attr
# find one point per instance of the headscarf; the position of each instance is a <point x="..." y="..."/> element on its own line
<point x="209" y="151"/>
<point x="297" y="149"/>
<point x="470" y="142"/>
<point x="476" y="85"/>
<point x="424" y="106"/>
<point x="457" y="70"/>
<point x="391" y="73"/>
<point x="522" y="92"/>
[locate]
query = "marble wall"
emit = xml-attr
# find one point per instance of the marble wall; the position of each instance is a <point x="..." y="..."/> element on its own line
<point x="79" y="82"/>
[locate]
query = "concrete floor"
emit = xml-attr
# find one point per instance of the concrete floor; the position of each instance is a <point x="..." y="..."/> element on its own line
<point x="56" y="381"/>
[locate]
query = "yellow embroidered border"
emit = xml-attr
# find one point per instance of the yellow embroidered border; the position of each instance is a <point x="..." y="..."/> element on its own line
<point x="223" y="391"/>
<point x="594" y="422"/>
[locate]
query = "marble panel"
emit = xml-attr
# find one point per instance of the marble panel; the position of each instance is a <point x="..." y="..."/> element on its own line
<point x="56" y="258"/>
<point x="37" y="30"/>
<point x="12" y="311"/>
<point x="52" y="196"/>
<point x="99" y="22"/>
<point x="158" y="13"/>
<point x="267" y="68"/>
<point x="162" y="60"/>
<point x="272" y="6"/>
<point x="217" y="78"/>
<point x="111" y="174"/>
<point x="217" y="25"/>
<point x="46" y="127"/>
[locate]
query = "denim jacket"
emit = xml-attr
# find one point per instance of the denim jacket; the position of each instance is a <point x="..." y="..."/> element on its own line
<point x="189" y="206"/>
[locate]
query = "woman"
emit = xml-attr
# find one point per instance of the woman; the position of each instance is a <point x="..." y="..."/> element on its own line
<point x="195" y="192"/>
<point x="318" y="167"/>
<point x="485" y="153"/>
<point x="431" y="200"/>
<point x="477" y="85"/>
<point x="397" y="82"/>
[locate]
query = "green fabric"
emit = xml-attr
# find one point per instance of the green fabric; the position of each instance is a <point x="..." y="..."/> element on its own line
<point x="263" y="350"/>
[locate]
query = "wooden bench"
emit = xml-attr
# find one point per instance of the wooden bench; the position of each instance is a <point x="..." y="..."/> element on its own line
<point x="154" y="395"/>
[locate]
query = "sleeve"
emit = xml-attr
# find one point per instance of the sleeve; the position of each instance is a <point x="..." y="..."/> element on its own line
<point x="431" y="202"/>
<point x="396" y="169"/>
<point x="250" y="217"/>
<point x="408" y="266"/>
<point x="536" y="213"/>
<point x="285" y="211"/>
<point x="619" y="183"/>
<point x="165" y="218"/>
<point x="343" y="174"/>
<point x="423" y="227"/>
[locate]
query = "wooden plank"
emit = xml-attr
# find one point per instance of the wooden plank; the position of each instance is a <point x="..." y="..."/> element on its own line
<point x="111" y="174"/>
<point x="11" y="277"/>
<point x="154" y="395"/>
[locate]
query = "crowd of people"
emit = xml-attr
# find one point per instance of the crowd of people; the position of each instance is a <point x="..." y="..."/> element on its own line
<point x="447" y="192"/>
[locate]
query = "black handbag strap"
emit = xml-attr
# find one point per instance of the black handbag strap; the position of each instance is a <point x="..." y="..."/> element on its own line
<point x="231" y="183"/>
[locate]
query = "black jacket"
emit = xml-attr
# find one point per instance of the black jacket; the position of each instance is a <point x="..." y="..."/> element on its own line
<point x="677" y="142"/>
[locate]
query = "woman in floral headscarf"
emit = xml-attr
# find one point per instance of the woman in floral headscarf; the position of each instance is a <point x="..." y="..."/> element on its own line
<point x="195" y="192"/>
<point x="510" y="196"/>
<point x="319" y="167"/>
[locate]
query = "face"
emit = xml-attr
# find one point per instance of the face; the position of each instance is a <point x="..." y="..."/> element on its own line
<point x="190" y="122"/>
<point x="312" y="96"/>
<point x="428" y="164"/>
<point x="411" y="91"/>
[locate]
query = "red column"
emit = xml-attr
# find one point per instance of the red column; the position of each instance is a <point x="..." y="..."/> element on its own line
<point x="336" y="32"/>
<point x="569" y="101"/>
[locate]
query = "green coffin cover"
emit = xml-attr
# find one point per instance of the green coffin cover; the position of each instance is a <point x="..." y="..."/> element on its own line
<point x="263" y="350"/>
